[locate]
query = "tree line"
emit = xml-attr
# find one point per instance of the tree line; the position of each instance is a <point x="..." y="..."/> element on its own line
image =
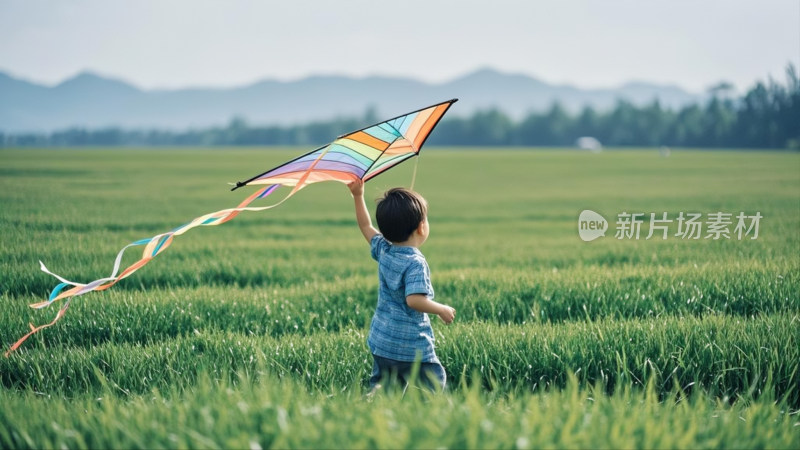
<point x="766" y="116"/>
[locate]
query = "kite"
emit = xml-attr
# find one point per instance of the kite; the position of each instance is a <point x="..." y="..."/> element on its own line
<point x="364" y="154"/>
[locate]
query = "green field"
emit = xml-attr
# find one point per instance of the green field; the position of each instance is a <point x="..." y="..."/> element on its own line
<point x="253" y="334"/>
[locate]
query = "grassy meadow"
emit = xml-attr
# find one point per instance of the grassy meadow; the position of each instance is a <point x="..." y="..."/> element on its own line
<point x="252" y="334"/>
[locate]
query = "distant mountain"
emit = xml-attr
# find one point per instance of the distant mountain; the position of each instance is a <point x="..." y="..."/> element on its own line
<point x="92" y="101"/>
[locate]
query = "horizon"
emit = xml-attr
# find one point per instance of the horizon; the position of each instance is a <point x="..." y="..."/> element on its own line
<point x="152" y="46"/>
<point x="123" y="79"/>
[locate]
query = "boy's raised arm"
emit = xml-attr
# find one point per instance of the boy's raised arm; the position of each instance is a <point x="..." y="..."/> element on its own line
<point x="362" y="214"/>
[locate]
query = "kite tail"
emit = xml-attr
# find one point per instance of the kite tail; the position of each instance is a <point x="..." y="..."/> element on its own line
<point x="153" y="247"/>
<point x="40" y="327"/>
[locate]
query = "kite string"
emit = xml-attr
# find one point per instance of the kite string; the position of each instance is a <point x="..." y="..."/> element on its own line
<point x="414" y="175"/>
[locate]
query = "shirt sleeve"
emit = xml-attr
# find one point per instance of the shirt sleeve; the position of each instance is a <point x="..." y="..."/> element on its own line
<point x="418" y="279"/>
<point x="378" y="245"/>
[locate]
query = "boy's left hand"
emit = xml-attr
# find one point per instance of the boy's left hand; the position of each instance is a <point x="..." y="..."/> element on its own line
<point x="447" y="314"/>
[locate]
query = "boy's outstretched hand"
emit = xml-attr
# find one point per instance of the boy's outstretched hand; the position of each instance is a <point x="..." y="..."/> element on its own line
<point x="356" y="187"/>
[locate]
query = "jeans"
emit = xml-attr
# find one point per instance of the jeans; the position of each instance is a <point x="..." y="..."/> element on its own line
<point x="430" y="375"/>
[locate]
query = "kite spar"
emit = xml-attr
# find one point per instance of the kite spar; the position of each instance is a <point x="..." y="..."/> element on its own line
<point x="364" y="154"/>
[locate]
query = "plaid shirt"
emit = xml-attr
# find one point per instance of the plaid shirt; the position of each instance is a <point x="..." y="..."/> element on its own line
<point x="397" y="331"/>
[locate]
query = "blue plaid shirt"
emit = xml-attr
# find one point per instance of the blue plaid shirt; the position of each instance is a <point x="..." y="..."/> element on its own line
<point x="397" y="331"/>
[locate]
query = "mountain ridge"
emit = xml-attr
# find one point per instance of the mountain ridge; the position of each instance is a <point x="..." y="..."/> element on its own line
<point x="90" y="100"/>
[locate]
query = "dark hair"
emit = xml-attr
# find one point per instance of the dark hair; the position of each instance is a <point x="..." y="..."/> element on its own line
<point x="399" y="213"/>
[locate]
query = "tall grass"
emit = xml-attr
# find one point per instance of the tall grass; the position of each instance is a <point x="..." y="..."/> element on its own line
<point x="239" y="413"/>
<point x="252" y="334"/>
<point x="724" y="356"/>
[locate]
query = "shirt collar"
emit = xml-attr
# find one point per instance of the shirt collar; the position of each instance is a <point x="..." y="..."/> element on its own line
<point x="404" y="249"/>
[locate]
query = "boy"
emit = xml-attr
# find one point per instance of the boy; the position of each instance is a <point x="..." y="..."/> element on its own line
<point x="401" y="332"/>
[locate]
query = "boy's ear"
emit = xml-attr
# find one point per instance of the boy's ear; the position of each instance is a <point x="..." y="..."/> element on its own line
<point x="421" y="227"/>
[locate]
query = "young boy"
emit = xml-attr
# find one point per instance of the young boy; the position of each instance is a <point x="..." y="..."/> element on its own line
<point x="401" y="332"/>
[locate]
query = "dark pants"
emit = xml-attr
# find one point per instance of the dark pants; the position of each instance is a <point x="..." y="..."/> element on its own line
<point x="430" y="375"/>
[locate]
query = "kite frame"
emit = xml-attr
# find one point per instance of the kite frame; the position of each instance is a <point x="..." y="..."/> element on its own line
<point x="448" y="102"/>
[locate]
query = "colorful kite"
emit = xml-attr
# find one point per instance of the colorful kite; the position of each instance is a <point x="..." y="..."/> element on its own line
<point x="363" y="154"/>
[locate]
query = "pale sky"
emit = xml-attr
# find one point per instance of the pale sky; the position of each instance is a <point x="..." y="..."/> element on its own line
<point x="222" y="43"/>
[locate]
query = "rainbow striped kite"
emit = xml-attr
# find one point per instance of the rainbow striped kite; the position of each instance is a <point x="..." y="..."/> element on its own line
<point x="362" y="154"/>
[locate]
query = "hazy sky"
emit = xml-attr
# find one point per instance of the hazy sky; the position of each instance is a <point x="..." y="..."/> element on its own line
<point x="588" y="43"/>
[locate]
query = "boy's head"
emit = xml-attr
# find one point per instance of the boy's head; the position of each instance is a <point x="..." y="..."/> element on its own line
<point x="399" y="213"/>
